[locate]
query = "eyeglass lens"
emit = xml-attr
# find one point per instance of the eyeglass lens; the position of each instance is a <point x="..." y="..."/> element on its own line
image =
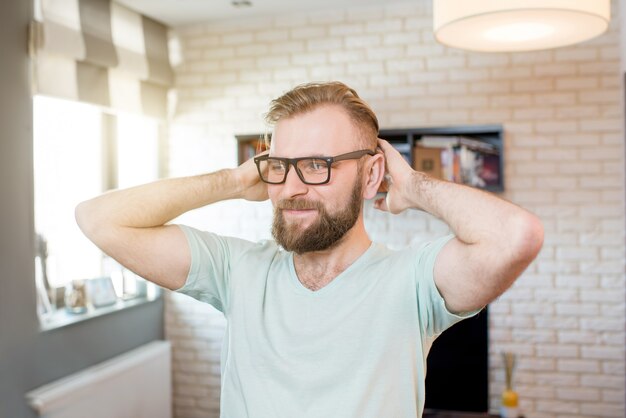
<point x="312" y="170"/>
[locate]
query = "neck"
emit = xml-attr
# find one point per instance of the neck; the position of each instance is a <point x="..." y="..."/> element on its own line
<point x="318" y="268"/>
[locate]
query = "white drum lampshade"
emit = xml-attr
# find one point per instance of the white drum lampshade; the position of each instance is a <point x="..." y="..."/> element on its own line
<point x="518" y="25"/>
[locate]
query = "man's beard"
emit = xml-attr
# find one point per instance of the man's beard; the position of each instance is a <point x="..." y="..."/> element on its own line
<point x="325" y="232"/>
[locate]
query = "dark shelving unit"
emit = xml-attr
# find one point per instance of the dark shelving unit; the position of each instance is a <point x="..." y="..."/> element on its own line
<point x="405" y="141"/>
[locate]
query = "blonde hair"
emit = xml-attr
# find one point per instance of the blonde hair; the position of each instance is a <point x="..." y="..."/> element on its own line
<point x="307" y="97"/>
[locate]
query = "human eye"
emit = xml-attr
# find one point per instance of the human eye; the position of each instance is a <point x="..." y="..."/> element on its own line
<point x="314" y="165"/>
<point x="275" y="166"/>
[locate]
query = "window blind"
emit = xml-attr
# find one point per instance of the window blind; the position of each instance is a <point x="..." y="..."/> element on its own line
<point x="100" y="52"/>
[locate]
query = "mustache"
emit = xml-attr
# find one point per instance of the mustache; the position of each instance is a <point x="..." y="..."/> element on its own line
<point x="298" y="204"/>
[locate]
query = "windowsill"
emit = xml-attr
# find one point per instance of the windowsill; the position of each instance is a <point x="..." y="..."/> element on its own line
<point x="62" y="318"/>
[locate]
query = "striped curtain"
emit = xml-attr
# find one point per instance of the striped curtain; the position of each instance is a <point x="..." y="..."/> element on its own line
<point x="100" y="52"/>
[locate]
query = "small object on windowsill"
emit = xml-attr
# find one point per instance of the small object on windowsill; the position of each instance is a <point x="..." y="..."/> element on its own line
<point x="133" y="286"/>
<point x="76" y="297"/>
<point x="131" y="296"/>
<point x="101" y="292"/>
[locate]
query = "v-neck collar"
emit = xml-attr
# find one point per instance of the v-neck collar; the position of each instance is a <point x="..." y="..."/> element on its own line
<point x="300" y="288"/>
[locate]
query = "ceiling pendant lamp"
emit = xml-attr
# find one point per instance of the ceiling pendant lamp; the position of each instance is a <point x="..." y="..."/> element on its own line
<point x="518" y="25"/>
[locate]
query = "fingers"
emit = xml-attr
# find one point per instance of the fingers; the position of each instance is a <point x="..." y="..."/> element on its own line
<point x="267" y="151"/>
<point x="383" y="145"/>
<point x="388" y="150"/>
<point x="381" y="204"/>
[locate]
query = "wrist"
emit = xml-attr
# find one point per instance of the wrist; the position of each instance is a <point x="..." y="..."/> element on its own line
<point x="236" y="182"/>
<point x="418" y="190"/>
<point x="246" y="183"/>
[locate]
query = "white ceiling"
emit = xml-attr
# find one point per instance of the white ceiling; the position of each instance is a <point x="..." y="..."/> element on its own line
<point x="185" y="12"/>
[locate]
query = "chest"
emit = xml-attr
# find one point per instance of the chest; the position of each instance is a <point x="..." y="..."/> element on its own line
<point x="348" y="309"/>
<point x="315" y="279"/>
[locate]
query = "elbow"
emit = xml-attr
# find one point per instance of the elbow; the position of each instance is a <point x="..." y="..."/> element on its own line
<point x="90" y="222"/>
<point x="84" y="218"/>
<point x="79" y="215"/>
<point x="528" y="237"/>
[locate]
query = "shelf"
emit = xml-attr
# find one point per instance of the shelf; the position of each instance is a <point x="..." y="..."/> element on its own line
<point x="471" y="155"/>
<point x="248" y="146"/>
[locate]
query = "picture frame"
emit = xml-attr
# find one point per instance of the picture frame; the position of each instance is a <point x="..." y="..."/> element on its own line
<point x="100" y="292"/>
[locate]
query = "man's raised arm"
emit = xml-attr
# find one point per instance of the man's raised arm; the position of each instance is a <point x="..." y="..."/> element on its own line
<point x="495" y="239"/>
<point x="129" y="225"/>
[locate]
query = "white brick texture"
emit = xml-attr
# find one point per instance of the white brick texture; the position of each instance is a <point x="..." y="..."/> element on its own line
<point x="564" y="157"/>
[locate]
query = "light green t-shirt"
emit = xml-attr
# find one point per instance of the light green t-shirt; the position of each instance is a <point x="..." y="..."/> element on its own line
<point x="354" y="349"/>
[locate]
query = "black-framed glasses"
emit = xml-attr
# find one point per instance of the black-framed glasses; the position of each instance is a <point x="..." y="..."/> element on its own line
<point x="311" y="170"/>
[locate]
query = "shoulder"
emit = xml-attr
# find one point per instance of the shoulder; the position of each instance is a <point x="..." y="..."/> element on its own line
<point x="428" y="250"/>
<point x="205" y="241"/>
<point x="391" y="260"/>
<point x="415" y="251"/>
<point x="417" y="259"/>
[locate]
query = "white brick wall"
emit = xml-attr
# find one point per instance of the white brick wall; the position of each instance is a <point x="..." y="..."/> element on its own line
<point x="562" y="115"/>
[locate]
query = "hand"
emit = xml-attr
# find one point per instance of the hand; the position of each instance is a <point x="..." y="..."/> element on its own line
<point x="250" y="184"/>
<point x="398" y="175"/>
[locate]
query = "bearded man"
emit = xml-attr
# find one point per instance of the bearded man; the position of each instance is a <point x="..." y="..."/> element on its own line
<point x="321" y="321"/>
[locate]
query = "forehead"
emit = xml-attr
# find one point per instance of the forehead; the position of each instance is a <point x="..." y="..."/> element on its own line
<point x="326" y="130"/>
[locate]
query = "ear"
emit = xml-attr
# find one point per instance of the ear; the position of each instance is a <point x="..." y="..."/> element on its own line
<point x="375" y="173"/>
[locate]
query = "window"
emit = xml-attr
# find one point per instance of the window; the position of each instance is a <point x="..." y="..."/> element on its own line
<point x="138" y="151"/>
<point x="80" y="152"/>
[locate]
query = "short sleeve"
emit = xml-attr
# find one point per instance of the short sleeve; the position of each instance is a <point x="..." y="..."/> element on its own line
<point x="434" y="315"/>
<point x="208" y="279"/>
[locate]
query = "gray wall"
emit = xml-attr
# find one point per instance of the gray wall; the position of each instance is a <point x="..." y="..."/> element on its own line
<point x="29" y="358"/>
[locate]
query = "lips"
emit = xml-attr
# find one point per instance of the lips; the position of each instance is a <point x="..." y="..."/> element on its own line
<point x="297" y="205"/>
<point x="298" y="212"/>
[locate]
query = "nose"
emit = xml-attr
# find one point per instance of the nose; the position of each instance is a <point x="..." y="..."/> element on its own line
<point x="293" y="186"/>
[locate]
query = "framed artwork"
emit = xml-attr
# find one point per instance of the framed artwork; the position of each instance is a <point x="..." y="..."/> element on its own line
<point x="100" y="292"/>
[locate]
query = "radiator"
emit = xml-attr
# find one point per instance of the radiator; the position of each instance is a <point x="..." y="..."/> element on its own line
<point x="136" y="384"/>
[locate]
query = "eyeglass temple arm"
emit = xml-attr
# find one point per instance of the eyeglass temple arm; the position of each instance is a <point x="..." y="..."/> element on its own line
<point x="352" y="155"/>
